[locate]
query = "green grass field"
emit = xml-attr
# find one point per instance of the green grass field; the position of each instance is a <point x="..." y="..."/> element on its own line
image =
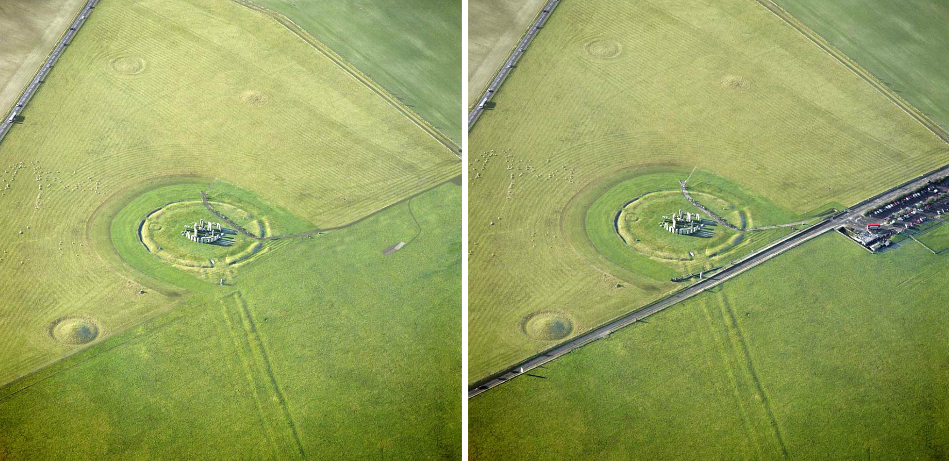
<point x="853" y="367"/>
<point x="411" y="48"/>
<point x="902" y="43"/>
<point x="153" y="103"/>
<point x="155" y="90"/>
<point x="348" y="354"/>
<point x="612" y="90"/>
<point x="494" y="28"/>
<point x="31" y="29"/>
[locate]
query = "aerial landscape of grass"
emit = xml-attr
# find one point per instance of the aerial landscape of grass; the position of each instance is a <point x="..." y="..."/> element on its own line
<point x="281" y="347"/>
<point x="360" y="363"/>
<point x="854" y="367"/>
<point x="615" y="88"/>
<point x="412" y="48"/>
<point x="30" y="29"/>
<point x="902" y="43"/>
<point x="494" y="28"/>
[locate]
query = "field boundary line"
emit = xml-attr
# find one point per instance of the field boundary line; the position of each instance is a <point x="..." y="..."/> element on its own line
<point x="325" y="50"/>
<point x="207" y="204"/>
<point x="856" y="68"/>
<point x="244" y="323"/>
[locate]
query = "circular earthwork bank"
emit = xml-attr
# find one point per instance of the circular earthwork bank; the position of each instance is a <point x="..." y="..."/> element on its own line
<point x="603" y="48"/>
<point x="128" y="65"/>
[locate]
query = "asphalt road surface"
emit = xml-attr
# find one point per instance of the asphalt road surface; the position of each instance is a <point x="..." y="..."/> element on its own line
<point x="47" y="66"/>
<point x="511" y="62"/>
<point x="850" y="216"/>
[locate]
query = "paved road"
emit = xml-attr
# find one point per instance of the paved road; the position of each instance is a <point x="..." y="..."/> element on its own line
<point x="850" y="216"/>
<point x="511" y="62"/>
<point x="47" y="66"/>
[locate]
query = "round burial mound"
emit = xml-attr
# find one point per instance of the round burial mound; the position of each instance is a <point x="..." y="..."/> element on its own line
<point x="603" y="48"/>
<point x="128" y="65"/>
<point x="547" y="325"/>
<point x="254" y="98"/>
<point x="74" y="330"/>
<point x="735" y="83"/>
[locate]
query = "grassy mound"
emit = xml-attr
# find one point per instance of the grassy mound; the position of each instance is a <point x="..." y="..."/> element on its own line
<point x="74" y="330"/>
<point x="735" y="83"/>
<point x="547" y="325"/>
<point x="254" y="98"/>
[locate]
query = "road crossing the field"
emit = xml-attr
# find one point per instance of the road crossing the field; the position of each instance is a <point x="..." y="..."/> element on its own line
<point x="511" y="62"/>
<point x="848" y="216"/>
<point x="47" y="66"/>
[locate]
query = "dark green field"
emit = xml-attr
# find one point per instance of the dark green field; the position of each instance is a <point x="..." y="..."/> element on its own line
<point x="903" y="43"/>
<point x="411" y="47"/>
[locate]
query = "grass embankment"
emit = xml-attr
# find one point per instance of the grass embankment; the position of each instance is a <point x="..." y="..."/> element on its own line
<point x="854" y="367"/>
<point x="621" y="87"/>
<point x="412" y="48"/>
<point x="321" y="348"/>
<point x="180" y="89"/>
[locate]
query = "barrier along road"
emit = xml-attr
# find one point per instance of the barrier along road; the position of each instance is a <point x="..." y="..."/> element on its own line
<point x="47" y="66"/>
<point x="511" y="62"/>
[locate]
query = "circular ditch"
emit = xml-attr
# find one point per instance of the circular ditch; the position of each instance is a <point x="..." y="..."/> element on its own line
<point x="604" y="48"/>
<point x="128" y="65"/>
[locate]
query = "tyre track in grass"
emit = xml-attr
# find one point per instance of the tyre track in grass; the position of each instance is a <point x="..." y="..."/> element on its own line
<point x="259" y="373"/>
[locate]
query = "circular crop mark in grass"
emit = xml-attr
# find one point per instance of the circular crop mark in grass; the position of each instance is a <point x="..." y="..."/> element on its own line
<point x="735" y="83"/>
<point x="603" y="48"/>
<point x="128" y="65"/>
<point x="547" y="325"/>
<point x="73" y="330"/>
<point x="254" y="98"/>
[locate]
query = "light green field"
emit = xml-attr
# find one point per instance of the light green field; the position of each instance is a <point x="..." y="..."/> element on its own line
<point x="611" y="90"/>
<point x="902" y="43"/>
<point x="152" y="91"/>
<point x="31" y="29"/>
<point x="854" y="367"/>
<point x="321" y="348"/>
<point x="412" y="48"/>
<point x="494" y="28"/>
